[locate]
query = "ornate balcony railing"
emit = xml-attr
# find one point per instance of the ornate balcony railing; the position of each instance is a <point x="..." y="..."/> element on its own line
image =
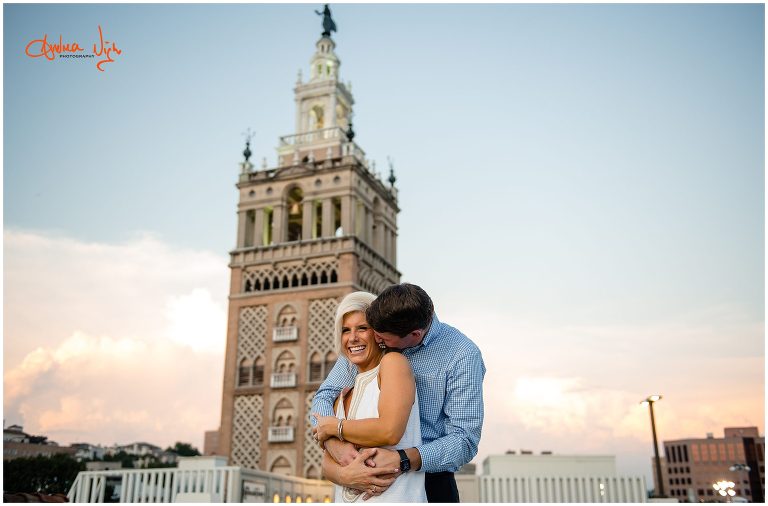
<point x="325" y="134"/>
<point x="283" y="334"/>
<point x="283" y="380"/>
<point x="280" y="435"/>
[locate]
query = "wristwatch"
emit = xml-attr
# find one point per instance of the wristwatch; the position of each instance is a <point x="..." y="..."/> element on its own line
<point x="405" y="462"/>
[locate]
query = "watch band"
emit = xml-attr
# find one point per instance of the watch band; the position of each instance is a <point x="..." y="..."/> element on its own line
<point x="405" y="462"/>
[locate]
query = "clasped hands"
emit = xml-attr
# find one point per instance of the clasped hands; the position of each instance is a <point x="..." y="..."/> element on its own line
<point x="371" y="471"/>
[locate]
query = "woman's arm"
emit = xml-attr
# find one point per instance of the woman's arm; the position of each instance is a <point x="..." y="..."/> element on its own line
<point x="398" y="392"/>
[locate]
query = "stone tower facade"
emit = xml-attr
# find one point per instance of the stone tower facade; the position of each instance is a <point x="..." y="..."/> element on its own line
<point x="316" y="227"/>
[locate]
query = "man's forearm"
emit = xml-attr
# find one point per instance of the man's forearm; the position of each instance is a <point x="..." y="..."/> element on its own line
<point x="331" y="469"/>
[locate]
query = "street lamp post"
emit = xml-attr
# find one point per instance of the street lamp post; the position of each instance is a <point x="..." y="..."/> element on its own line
<point x="659" y="482"/>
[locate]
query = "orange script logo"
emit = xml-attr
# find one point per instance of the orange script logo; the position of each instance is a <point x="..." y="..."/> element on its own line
<point x="105" y="50"/>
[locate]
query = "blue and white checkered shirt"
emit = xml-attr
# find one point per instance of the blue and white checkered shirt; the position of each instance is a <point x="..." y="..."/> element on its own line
<point x="449" y="372"/>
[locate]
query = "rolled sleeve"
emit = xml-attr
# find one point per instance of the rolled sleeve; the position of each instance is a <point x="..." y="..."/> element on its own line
<point x="341" y="376"/>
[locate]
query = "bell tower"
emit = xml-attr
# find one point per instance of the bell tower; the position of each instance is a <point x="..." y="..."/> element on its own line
<point x="312" y="229"/>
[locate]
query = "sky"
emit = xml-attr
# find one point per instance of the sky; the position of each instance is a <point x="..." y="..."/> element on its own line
<point x="581" y="191"/>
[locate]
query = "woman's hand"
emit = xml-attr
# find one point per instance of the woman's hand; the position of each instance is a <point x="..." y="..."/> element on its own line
<point x="326" y="428"/>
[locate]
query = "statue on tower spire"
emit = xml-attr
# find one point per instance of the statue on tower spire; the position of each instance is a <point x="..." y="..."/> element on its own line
<point x="328" y="24"/>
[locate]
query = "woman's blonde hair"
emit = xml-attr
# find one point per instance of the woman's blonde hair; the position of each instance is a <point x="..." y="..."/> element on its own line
<point x="355" y="301"/>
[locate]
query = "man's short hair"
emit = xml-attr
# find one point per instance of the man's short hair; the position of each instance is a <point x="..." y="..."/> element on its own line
<point x="400" y="309"/>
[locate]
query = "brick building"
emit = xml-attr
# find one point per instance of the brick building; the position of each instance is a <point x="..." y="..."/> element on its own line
<point x="692" y="466"/>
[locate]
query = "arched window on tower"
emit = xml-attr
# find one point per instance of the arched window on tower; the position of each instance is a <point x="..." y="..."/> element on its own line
<point x="295" y="213"/>
<point x="286" y="328"/>
<point x="337" y="230"/>
<point x="244" y="373"/>
<point x="312" y="473"/>
<point x="315" y="367"/>
<point x="316" y="116"/>
<point x="317" y="219"/>
<point x="267" y="226"/>
<point x="330" y="361"/>
<point x="281" y="466"/>
<point x="250" y="226"/>
<point x="258" y="371"/>
<point x="376" y="229"/>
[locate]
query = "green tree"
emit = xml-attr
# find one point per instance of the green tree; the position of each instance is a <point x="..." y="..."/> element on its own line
<point x="48" y="475"/>
<point x="121" y="456"/>
<point x="184" y="450"/>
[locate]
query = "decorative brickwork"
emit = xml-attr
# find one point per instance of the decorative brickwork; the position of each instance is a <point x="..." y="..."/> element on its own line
<point x="313" y="455"/>
<point x="247" y="431"/>
<point x="320" y="336"/>
<point x="252" y="333"/>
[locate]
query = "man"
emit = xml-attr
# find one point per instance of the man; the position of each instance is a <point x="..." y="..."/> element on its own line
<point x="449" y="373"/>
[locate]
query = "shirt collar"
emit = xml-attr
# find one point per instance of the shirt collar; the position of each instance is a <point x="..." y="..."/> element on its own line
<point x="431" y="333"/>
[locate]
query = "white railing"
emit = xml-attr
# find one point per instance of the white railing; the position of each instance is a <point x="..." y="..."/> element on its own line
<point x="200" y="481"/>
<point x="313" y="136"/>
<point x="280" y="435"/>
<point x="281" y="334"/>
<point x="283" y="380"/>
<point x="539" y="489"/>
<point x="159" y="485"/>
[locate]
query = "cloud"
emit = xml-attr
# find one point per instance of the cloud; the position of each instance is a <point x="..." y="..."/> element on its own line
<point x="113" y="343"/>
<point x="575" y="389"/>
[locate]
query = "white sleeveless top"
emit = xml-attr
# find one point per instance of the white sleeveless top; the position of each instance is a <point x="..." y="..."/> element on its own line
<point x="408" y="487"/>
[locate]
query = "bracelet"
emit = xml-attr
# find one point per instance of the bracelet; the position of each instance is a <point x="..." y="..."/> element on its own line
<point x="340" y="429"/>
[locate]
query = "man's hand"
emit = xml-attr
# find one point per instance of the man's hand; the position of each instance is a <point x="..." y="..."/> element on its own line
<point x="387" y="459"/>
<point x="372" y="480"/>
<point x="341" y="451"/>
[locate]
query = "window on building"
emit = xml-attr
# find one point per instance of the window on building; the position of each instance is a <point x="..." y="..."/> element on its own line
<point x="244" y="373"/>
<point x="330" y="361"/>
<point x="295" y="213"/>
<point x="258" y="371"/>
<point x="337" y="231"/>
<point x="685" y="454"/>
<point x="317" y="219"/>
<point x="267" y="226"/>
<point x="285" y="362"/>
<point x="695" y="452"/>
<point x="281" y="466"/>
<point x="315" y="367"/>
<point x="250" y="225"/>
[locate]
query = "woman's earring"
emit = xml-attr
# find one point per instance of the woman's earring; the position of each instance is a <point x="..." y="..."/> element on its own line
<point x="382" y="345"/>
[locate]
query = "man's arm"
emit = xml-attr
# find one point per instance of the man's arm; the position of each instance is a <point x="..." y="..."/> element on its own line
<point x="464" y="409"/>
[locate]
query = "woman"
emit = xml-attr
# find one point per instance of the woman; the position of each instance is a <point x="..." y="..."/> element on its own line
<point x="381" y="410"/>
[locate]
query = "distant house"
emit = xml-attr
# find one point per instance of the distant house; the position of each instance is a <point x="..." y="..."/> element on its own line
<point x="87" y="451"/>
<point x="141" y="449"/>
<point x="15" y="434"/>
<point x="18" y="444"/>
